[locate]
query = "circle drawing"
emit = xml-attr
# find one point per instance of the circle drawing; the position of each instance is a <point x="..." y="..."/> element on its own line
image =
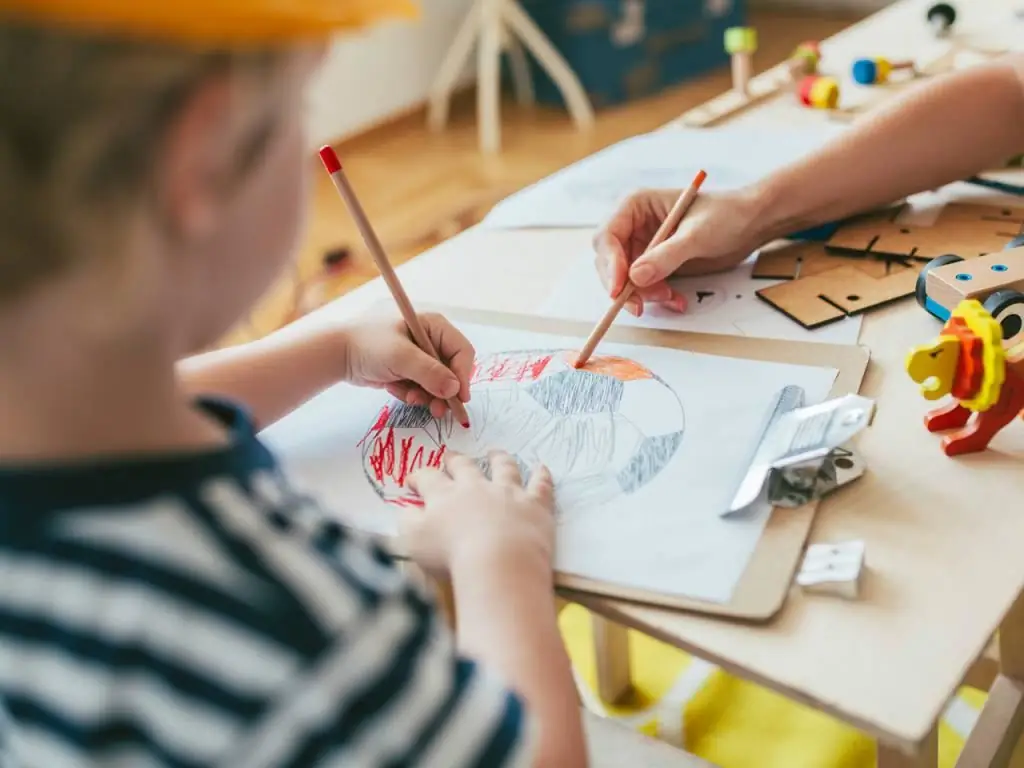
<point x="604" y="431"/>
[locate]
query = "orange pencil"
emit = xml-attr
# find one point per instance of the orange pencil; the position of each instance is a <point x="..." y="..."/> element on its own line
<point x="668" y="226"/>
<point x="419" y="333"/>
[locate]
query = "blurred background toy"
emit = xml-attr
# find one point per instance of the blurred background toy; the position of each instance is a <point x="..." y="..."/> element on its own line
<point x="741" y="44"/>
<point x="876" y="70"/>
<point x="819" y="92"/>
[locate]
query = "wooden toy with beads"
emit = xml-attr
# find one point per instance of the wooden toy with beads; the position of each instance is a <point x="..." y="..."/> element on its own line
<point x="819" y="92"/>
<point x="802" y="62"/>
<point x="740" y="44"/>
<point x="875" y="71"/>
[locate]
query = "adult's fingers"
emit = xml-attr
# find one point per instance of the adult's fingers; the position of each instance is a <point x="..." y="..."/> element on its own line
<point x="661" y="261"/>
<point x="504" y="469"/>
<point x="427" y="481"/>
<point x="541" y="486"/>
<point x="610" y="260"/>
<point x="454" y="348"/>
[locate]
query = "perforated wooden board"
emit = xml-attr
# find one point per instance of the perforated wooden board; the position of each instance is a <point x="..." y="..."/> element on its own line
<point x="837" y="293"/>
<point x="967" y="230"/>
<point x="786" y="260"/>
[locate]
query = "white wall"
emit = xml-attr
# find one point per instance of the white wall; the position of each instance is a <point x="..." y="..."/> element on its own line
<point x="372" y="76"/>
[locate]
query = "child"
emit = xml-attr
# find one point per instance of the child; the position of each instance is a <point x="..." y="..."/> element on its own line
<point x="946" y="130"/>
<point x="166" y="598"/>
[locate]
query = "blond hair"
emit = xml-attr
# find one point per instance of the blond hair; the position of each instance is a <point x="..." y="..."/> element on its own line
<point x="82" y="118"/>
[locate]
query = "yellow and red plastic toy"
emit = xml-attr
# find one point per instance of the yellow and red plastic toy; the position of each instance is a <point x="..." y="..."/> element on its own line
<point x="967" y="361"/>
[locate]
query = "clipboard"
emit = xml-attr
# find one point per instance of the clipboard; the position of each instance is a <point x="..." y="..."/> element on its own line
<point x="766" y="582"/>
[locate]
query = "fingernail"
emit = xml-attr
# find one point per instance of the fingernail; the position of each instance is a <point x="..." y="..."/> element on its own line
<point x="642" y="274"/>
<point x="678" y="303"/>
<point x="450" y="388"/>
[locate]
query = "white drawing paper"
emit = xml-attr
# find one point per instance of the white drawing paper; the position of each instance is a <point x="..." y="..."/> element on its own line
<point x="647" y="446"/>
<point x="723" y="303"/>
<point x="586" y="193"/>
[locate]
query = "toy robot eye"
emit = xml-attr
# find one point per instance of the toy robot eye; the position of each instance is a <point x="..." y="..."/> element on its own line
<point x="1007" y="307"/>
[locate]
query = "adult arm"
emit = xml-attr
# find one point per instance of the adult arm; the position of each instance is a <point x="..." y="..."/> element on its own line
<point x="943" y="131"/>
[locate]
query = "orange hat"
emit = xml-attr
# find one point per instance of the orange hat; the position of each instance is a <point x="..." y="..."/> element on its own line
<point x="228" y="23"/>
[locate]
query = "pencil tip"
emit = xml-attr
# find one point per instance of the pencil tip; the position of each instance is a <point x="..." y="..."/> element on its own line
<point x="465" y="425"/>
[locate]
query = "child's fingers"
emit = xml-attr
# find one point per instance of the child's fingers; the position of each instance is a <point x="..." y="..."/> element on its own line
<point x="541" y="486"/>
<point x="428" y="481"/>
<point x="461" y="467"/>
<point x="453" y="346"/>
<point x="504" y="469"/>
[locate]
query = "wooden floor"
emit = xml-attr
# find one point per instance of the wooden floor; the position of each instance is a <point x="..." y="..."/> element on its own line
<point x="420" y="188"/>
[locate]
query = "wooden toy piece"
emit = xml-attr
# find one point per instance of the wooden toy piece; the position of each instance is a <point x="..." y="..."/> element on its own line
<point x="819" y="92"/>
<point x="948" y="280"/>
<point x="967" y="361"/>
<point x="741" y="43"/>
<point x="876" y="71"/>
<point x="786" y="75"/>
<point x="785" y="260"/>
<point x="966" y="229"/>
<point x="804" y="60"/>
<point x="941" y="17"/>
<point x="834" y="569"/>
<point x="838" y="293"/>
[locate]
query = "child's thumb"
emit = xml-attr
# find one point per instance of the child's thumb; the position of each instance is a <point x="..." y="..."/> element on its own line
<point x="432" y="375"/>
<point x="658" y="263"/>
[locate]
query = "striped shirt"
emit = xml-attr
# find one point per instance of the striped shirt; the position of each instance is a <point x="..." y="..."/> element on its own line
<point x="194" y="610"/>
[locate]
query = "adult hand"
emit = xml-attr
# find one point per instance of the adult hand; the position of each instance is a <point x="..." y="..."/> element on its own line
<point x="716" y="234"/>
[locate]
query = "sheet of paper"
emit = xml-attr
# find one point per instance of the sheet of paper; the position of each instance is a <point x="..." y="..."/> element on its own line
<point x="646" y="447"/>
<point x="723" y="303"/>
<point x="586" y="193"/>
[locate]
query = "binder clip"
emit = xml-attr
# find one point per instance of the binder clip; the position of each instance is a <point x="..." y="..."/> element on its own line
<point x="833" y="569"/>
<point x="802" y="454"/>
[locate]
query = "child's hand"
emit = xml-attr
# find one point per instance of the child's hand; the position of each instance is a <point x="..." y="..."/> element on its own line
<point x="468" y="518"/>
<point x="382" y="354"/>
<point x="717" y="233"/>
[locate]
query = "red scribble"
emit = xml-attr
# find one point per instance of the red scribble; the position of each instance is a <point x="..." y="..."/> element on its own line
<point x="511" y="368"/>
<point x="391" y="463"/>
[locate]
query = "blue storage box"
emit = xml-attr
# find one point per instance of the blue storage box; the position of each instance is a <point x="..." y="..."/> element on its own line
<point x="626" y="49"/>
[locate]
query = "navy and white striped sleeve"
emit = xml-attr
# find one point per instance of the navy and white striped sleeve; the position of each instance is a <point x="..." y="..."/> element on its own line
<point x="392" y="692"/>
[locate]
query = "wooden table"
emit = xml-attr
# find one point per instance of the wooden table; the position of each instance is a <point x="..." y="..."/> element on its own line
<point x="945" y="538"/>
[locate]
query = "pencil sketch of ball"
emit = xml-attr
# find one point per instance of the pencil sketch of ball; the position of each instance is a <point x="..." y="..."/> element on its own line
<point x="604" y="431"/>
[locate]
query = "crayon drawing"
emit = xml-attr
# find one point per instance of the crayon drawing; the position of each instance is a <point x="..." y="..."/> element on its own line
<point x="604" y="431"/>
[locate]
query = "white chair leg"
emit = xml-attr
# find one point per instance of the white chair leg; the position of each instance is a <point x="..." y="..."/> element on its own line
<point x="611" y="653"/>
<point x="548" y="56"/>
<point x="452" y="66"/>
<point x="521" y="80"/>
<point x="489" y="75"/>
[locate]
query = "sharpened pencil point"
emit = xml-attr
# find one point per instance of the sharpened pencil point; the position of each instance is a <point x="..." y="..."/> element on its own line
<point x="465" y="425"/>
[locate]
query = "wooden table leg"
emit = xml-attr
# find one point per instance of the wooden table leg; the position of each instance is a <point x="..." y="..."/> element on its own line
<point x="995" y="735"/>
<point x="927" y="755"/>
<point x="611" y="653"/>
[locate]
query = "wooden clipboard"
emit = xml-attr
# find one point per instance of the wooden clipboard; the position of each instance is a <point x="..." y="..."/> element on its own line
<point x="762" y="590"/>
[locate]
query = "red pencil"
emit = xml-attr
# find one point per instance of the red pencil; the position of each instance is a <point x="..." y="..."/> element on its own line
<point x="419" y="334"/>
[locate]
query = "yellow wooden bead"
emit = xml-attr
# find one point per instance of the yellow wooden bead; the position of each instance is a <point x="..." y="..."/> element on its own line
<point x="824" y="93"/>
<point x="740" y="40"/>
